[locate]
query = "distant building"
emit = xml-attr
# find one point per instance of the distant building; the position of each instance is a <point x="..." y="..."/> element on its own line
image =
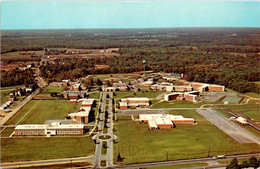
<point x="203" y="87"/>
<point x="74" y="94"/>
<point x="121" y="86"/>
<point x="134" y="102"/>
<point x="55" y="128"/>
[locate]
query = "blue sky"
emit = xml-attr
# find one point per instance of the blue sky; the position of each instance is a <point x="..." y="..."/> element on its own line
<point x="128" y="14"/>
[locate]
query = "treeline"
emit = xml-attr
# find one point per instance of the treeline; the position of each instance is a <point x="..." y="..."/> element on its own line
<point x="16" y="77"/>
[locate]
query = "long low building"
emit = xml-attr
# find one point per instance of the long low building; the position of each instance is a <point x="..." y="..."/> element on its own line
<point x="55" y="128"/>
<point x="203" y="87"/>
<point x="163" y="121"/>
<point x="134" y="102"/>
<point x="189" y="96"/>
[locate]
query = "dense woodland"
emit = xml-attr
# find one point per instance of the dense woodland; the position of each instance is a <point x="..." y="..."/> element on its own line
<point x="17" y="77"/>
<point x="226" y="56"/>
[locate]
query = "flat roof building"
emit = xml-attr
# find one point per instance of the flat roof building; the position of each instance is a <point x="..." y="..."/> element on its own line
<point x="134" y="102"/>
<point x="55" y="128"/>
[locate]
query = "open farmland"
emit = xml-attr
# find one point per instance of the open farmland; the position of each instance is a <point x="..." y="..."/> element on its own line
<point x="136" y="143"/>
<point x="23" y="149"/>
<point x="38" y="111"/>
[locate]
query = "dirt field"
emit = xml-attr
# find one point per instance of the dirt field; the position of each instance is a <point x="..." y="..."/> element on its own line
<point x="234" y="130"/>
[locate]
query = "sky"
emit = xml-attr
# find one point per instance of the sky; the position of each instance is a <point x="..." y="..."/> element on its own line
<point x="128" y="14"/>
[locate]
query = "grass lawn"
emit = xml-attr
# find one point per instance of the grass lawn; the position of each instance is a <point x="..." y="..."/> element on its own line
<point x="5" y="96"/>
<point x="22" y="149"/>
<point x="95" y="95"/>
<point x="42" y="110"/>
<point x="7" y="131"/>
<point x="251" y="94"/>
<point x="52" y="89"/>
<point x="149" y="94"/>
<point x="136" y="143"/>
<point x="177" y="166"/>
<point x="104" y="148"/>
<point x="253" y="115"/>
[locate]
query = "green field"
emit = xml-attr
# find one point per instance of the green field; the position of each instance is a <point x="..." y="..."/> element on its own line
<point x="251" y="94"/>
<point x="95" y="95"/>
<point x="23" y="149"/>
<point x="253" y="115"/>
<point x="136" y="143"/>
<point x="52" y="89"/>
<point x="4" y="96"/>
<point x="149" y="94"/>
<point x="42" y="110"/>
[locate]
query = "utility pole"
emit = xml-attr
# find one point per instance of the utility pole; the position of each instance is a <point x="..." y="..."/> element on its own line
<point x="144" y="61"/>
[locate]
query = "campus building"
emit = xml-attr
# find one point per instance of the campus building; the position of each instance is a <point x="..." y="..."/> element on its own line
<point x="169" y="87"/>
<point x="74" y="94"/>
<point x="203" y="87"/>
<point x="121" y="86"/>
<point x="163" y="121"/>
<point x="134" y="102"/>
<point x="83" y="115"/>
<point x="189" y="96"/>
<point x="55" y="128"/>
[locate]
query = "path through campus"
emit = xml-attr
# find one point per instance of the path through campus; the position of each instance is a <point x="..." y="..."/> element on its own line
<point x="104" y="136"/>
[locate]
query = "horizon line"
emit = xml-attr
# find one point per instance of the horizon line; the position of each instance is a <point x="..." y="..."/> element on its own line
<point x="129" y="28"/>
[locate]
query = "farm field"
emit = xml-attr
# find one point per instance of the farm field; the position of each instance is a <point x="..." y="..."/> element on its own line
<point x="137" y="144"/>
<point x="42" y="110"/>
<point x="17" y="149"/>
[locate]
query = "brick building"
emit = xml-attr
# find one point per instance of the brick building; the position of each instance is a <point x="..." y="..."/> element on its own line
<point x="134" y="102"/>
<point x="55" y="128"/>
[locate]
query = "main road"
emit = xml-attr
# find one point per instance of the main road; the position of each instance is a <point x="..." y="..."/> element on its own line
<point x="108" y="157"/>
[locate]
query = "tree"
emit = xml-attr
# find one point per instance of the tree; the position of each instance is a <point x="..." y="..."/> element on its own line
<point x="233" y="164"/>
<point x="244" y="164"/>
<point x="119" y="158"/>
<point x="253" y="162"/>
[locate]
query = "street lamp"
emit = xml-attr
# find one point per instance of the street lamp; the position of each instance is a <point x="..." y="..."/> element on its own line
<point x="144" y="61"/>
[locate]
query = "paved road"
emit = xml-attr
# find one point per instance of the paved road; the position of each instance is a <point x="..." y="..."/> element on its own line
<point x="109" y="156"/>
<point x="232" y="129"/>
<point x="188" y="161"/>
<point x="46" y="162"/>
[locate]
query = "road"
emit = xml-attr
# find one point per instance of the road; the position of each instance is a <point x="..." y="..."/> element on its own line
<point x="108" y="157"/>
<point x="232" y="129"/>
<point x="46" y="162"/>
<point x="188" y="161"/>
<point x="16" y="109"/>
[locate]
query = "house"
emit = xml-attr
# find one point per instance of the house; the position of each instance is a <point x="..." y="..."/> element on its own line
<point x="55" y="128"/>
<point x="134" y="102"/>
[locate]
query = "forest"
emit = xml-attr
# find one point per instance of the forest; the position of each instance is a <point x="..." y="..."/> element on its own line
<point x="225" y="56"/>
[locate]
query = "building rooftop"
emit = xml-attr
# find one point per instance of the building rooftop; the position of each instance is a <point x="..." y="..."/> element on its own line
<point x="162" y="120"/>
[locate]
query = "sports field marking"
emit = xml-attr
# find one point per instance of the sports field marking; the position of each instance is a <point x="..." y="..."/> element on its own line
<point x="28" y="112"/>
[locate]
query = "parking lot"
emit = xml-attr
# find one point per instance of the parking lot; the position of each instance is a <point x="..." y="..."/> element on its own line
<point x="238" y="133"/>
<point x="214" y="96"/>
